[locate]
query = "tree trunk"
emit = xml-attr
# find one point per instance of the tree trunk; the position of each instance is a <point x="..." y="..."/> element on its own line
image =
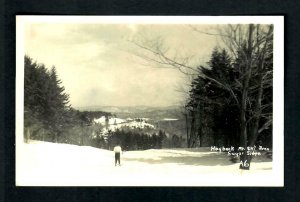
<point x="43" y="135"/>
<point x="257" y="110"/>
<point x="257" y="113"/>
<point x="56" y="137"/>
<point x="200" y="135"/>
<point x="245" y="164"/>
<point x="187" y="130"/>
<point x="243" y="143"/>
<point x="27" y="138"/>
<point x="192" y="131"/>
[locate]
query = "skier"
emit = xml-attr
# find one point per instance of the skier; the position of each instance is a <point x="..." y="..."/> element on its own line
<point x="117" y="150"/>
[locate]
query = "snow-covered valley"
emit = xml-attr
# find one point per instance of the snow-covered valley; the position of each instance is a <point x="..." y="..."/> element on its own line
<point x="114" y="123"/>
<point x="49" y="164"/>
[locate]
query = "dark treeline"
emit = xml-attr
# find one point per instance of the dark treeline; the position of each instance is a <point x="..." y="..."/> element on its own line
<point x="46" y="106"/>
<point x="91" y="115"/>
<point x="137" y="140"/>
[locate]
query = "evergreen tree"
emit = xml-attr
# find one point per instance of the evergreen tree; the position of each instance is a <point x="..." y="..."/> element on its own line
<point x="36" y="81"/>
<point x="211" y="109"/>
<point x="45" y="102"/>
<point x="58" y="107"/>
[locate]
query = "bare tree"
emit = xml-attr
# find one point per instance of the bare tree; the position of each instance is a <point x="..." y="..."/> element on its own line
<point x="251" y="46"/>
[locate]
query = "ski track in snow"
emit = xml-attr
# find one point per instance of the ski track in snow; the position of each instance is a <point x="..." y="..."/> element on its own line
<point x="50" y="164"/>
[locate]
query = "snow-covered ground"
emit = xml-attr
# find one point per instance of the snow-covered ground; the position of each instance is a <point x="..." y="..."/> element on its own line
<point x="49" y="164"/>
<point x="170" y="119"/>
<point x="111" y="120"/>
<point x="117" y="123"/>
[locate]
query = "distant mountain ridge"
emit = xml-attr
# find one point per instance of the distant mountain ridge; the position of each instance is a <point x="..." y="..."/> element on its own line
<point x="126" y="109"/>
<point x="170" y="118"/>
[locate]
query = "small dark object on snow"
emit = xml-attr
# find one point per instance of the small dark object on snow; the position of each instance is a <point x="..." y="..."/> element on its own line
<point x="269" y="154"/>
<point x="117" y="150"/>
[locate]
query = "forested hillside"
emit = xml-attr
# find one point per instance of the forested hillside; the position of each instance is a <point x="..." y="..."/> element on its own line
<point x="48" y="116"/>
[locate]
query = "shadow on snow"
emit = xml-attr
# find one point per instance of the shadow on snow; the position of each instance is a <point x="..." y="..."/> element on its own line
<point x="204" y="159"/>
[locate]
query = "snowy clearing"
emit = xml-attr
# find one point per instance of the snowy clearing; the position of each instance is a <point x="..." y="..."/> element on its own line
<point x="117" y="123"/>
<point x="111" y="120"/>
<point x="170" y="119"/>
<point x="49" y="164"/>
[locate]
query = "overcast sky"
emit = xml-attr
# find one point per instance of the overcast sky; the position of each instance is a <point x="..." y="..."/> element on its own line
<point x="97" y="66"/>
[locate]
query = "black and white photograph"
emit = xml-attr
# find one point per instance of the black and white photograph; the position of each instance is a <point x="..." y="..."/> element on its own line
<point x="149" y="101"/>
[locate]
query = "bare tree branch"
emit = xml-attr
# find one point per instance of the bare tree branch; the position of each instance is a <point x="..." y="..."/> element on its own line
<point x="165" y="60"/>
<point x="266" y="125"/>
